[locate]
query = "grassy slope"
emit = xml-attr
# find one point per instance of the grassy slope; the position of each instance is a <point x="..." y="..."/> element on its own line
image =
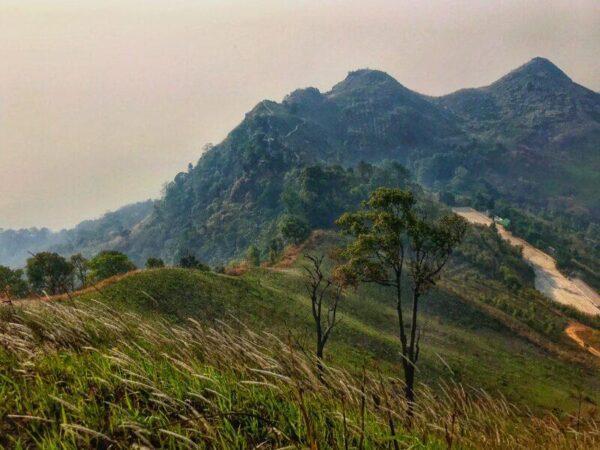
<point x="78" y="374"/>
<point x="480" y="350"/>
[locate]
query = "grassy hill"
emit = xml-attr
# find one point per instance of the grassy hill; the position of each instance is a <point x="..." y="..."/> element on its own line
<point x="176" y="358"/>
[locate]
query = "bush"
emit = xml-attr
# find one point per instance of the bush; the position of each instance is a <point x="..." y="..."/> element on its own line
<point x="12" y="284"/>
<point x="293" y="229"/>
<point x="190" y="262"/>
<point x="154" y="263"/>
<point x="109" y="263"/>
<point x="253" y="256"/>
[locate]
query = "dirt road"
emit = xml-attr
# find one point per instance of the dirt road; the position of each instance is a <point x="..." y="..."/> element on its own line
<point x="574" y="331"/>
<point x="548" y="279"/>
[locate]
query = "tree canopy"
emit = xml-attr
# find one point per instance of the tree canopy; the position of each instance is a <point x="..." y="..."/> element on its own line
<point x="109" y="263"/>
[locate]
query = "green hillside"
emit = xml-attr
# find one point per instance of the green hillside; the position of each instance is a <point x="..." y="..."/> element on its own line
<point x="135" y="363"/>
<point x="481" y="350"/>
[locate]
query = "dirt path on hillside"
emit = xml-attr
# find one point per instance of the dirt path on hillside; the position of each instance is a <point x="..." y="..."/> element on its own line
<point x="548" y="279"/>
<point x="574" y="331"/>
<point x="60" y="297"/>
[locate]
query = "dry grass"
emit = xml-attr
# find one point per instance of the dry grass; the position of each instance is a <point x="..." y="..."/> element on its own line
<point x="81" y="375"/>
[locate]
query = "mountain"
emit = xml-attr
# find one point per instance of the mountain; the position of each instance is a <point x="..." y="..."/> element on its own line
<point x="531" y="138"/>
<point x="536" y="105"/>
<point x="548" y="131"/>
<point x="526" y="145"/>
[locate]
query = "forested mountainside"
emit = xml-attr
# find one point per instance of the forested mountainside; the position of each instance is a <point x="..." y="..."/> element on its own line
<point x="526" y="141"/>
<point x="527" y="146"/>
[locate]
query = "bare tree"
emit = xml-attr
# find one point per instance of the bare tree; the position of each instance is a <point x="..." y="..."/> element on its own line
<point x="325" y="294"/>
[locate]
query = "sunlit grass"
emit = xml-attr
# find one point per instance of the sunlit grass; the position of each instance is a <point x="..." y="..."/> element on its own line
<point x="86" y="374"/>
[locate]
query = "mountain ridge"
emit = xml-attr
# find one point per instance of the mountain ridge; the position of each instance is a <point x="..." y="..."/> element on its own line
<point x="519" y="139"/>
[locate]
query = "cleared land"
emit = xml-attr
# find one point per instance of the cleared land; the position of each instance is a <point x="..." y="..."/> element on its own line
<point x="548" y="279"/>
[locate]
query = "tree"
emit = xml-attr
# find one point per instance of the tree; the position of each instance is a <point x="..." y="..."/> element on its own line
<point x="293" y="229"/>
<point x="389" y="236"/>
<point x="80" y="268"/>
<point x="190" y="262"/>
<point x="154" y="263"/>
<point x="109" y="263"/>
<point x="12" y="284"/>
<point x="275" y="247"/>
<point x="318" y="287"/>
<point x="253" y="256"/>
<point x="49" y="273"/>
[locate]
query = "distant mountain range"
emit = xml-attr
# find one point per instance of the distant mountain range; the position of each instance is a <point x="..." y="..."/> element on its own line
<point x="531" y="138"/>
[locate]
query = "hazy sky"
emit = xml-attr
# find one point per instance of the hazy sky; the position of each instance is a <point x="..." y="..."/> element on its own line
<point x="102" y="102"/>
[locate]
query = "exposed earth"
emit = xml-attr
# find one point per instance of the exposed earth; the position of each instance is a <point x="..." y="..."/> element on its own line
<point x="548" y="279"/>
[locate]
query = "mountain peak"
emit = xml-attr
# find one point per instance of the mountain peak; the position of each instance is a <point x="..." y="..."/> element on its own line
<point x="365" y="78"/>
<point x="538" y="68"/>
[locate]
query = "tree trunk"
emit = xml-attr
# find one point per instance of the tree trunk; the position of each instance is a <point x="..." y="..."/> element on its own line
<point x="320" y="347"/>
<point x="412" y="359"/>
<point x="409" y="391"/>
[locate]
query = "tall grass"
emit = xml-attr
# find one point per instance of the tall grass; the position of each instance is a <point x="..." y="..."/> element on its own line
<point x="84" y="375"/>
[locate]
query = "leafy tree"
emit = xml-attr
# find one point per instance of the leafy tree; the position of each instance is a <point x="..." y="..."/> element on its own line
<point x="253" y="256"/>
<point x="154" y="263"/>
<point x="275" y="247"/>
<point x="319" y="287"/>
<point x="448" y="198"/>
<point x="109" y="263"/>
<point x="294" y="229"/>
<point x="389" y="236"/>
<point x="190" y="262"/>
<point x="49" y="273"/>
<point x="12" y="284"/>
<point x="80" y="268"/>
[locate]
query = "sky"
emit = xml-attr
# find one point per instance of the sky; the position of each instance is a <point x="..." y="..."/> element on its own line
<point x="102" y="102"/>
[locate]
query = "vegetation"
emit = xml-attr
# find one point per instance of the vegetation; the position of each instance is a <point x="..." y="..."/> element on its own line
<point x="80" y="269"/>
<point x="387" y="235"/>
<point x="154" y="263"/>
<point x="190" y="262"/>
<point x="49" y="273"/>
<point x="12" y="284"/>
<point x="253" y="256"/>
<point x="293" y="229"/>
<point x="109" y="263"/>
<point x="319" y="287"/>
<point x="188" y="358"/>
<point x="174" y="382"/>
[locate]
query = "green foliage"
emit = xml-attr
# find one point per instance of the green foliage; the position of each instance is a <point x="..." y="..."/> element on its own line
<point x="387" y="235"/>
<point x="80" y="268"/>
<point x="109" y="263"/>
<point x="154" y="263"/>
<point x="190" y="262"/>
<point x="293" y="229"/>
<point x="49" y="273"/>
<point x="12" y="284"/>
<point x="253" y="256"/>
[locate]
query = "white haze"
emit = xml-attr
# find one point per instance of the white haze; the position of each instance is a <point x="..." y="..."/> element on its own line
<point x="102" y="102"/>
